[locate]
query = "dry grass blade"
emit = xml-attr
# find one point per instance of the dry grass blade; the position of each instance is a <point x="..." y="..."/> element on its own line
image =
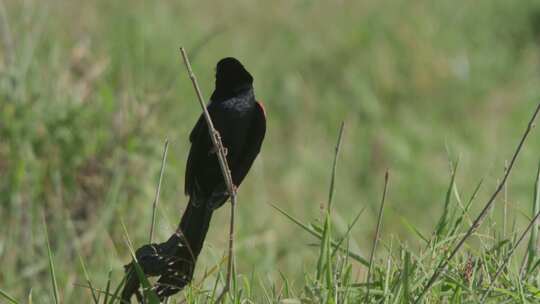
<point x="158" y="189"/>
<point x="218" y="145"/>
<point x="376" y="238"/>
<point x="478" y="221"/>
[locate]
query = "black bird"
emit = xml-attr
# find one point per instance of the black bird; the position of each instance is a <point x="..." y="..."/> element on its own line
<point x="241" y="123"/>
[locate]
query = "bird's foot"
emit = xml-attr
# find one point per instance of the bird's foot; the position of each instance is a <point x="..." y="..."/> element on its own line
<point x="214" y="150"/>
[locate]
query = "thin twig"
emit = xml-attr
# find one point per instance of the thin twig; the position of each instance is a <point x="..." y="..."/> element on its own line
<point x="478" y="221"/>
<point x="505" y="262"/>
<point x="158" y="189"/>
<point x="218" y="145"/>
<point x="376" y="238"/>
<point x="214" y="134"/>
<point x="334" y="166"/>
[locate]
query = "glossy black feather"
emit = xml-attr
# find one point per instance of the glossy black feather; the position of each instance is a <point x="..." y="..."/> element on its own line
<point x="241" y="123"/>
<point x="242" y="133"/>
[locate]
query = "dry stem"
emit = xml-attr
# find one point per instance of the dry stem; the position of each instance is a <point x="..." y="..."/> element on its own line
<point x="218" y="145"/>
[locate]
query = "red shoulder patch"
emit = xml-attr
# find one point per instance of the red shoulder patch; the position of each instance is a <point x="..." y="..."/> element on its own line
<point x="262" y="107"/>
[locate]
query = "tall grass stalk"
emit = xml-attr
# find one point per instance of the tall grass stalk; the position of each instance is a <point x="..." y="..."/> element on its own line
<point x="52" y="271"/>
<point x="377" y="232"/>
<point x="532" y="253"/>
<point x="158" y="189"/>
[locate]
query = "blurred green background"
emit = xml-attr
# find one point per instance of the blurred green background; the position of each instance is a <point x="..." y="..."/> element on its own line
<point x="89" y="90"/>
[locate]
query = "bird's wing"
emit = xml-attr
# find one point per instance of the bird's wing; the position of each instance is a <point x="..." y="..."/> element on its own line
<point x="252" y="146"/>
<point x="200" y="144"/>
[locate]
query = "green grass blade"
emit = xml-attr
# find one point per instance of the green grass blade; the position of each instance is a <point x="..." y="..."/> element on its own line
<point x="327" y="252"/>
<point x="9" y="298"/>
<point x="107" y="288"/>
<point x="347" y="233"/>
<point x="533" y="240"/>
<point x="321" y="262"/>
<point x="406" y="278"/>
<point x="114" y="298"/>
<point x="87" y="277"/>
<point x="535" y="265"/>
<point x="412" y="228"/>
<point x="94" y="296"/>
<point x="377" y="232"/>
<point x="51" y="266"/>
<point x="158" y="189"/>
<point x="387" y="277"/>
<point x="456" y="298"/>
<point x="147" y="287"/>
<point x="441" y="225"/>
<point x="353" y="255"/>
<point x="117" y="290"/>
<point x="334" y="166"/>
<point x="296" y="221"/>
<point x="460" y="219"/>
<point x="77" y="247"/>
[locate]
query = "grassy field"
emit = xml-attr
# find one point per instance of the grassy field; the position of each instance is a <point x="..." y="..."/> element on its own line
<point x="90" y="90"/>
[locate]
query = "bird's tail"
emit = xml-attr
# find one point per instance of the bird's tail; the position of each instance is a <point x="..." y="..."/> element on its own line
<point x="185" y="246"/>
<point x="174" y="260"/>
<point x="194" y="225"/>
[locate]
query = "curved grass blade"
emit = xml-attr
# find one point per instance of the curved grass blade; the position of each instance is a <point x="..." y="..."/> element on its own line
<point x="533" y="240"/>
<point x="147" y="287"/>
<point x="51" y="265"/>
<point x="9" y="298"/>
<point x="310" y="230"/>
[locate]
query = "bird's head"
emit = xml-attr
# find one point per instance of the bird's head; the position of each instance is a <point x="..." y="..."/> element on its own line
<point x="231" y="76"/>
